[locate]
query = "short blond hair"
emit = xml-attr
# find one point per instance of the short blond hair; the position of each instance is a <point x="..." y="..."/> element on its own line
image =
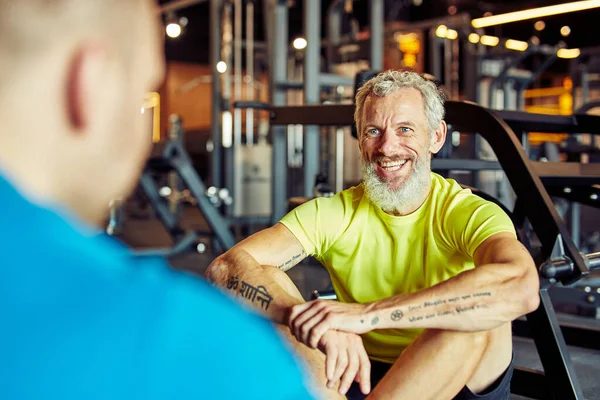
<point x="30" y="28"/>
<point x="390" y="81"/>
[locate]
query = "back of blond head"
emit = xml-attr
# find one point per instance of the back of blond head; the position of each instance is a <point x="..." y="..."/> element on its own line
<point x="30" y="29"/>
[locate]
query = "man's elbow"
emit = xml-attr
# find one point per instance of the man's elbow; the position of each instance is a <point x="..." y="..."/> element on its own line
<point x="528" y="289"/>
<point x="218" y="270"/>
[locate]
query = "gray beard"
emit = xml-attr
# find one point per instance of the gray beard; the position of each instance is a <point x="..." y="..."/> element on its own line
<point x="414" y="188"/>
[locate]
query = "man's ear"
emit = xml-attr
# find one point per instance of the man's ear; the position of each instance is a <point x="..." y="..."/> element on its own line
<point x="438" y="137"/>
<point x="84" y="81"/>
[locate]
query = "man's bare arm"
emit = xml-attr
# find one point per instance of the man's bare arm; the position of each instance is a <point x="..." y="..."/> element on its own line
<point x="502" y="287"/>
<point x="240" y="270"/>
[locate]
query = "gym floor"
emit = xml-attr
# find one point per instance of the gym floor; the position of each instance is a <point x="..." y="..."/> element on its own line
<point x="145" y="233"/>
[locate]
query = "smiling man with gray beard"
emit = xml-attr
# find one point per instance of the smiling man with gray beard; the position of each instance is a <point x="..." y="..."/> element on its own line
<point x="428" y="276"/>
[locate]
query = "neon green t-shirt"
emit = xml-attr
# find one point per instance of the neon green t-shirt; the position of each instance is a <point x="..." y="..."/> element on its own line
<point x="371" y="255"/>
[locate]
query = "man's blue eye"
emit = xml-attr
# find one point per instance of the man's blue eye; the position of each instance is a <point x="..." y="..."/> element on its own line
<point x="373" y="131"/>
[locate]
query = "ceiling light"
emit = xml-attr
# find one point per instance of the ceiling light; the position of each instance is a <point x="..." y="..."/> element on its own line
<point x="565" y="31"/>
<point x="489" y="40"/>
<point x="539" y="26"/>
<point x="300" y="43"/>
<point x="441" y="31"/>
<point x="518" y="45"/>
<point x="535" y="13"/>
<point x="173" y="30"/>
<point x="474" y="38"/>
<point x="451" y="34"/>
<point x="221" y="67"/>
<point x="568" y="53"/>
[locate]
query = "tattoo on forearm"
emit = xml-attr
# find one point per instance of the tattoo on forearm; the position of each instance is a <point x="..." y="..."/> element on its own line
<point x="292" y="261"/>
<point x="374" y="321"/>
<point x="252" y="293"/>
<point x="397" y="314"/>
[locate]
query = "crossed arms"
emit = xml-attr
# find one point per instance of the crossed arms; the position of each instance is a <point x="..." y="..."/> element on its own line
<point x="503" y="286"/>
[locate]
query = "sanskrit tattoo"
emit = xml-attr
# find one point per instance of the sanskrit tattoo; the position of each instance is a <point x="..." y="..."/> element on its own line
<point x="252" y="293"/>
<point x="292" y="261"/>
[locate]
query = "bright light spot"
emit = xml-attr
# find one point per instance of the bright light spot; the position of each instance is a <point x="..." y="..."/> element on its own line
<point x="489" y="40"/>
<point x="143" y="109"/>
<point x="441" y="31"/>
<point x="451" y="34"/>
<point x="221" y="67"/>
<point x="539" y="26"/>
<point x="518" y="45"/>
<point x="568" y="53"/>
<point x="165" y="191"/>
<point x="173" y="30"/>
<point x="299" y="43"/>
<point x="474" y="38"/>
<point x="565" y="31"/>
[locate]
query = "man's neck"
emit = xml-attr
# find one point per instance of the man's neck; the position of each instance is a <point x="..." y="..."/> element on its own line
<point x="37" y="182"/>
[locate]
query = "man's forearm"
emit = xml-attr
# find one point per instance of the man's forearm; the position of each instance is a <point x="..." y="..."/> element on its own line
<point x="474" y="300"/>
<point x="240" y="275"/>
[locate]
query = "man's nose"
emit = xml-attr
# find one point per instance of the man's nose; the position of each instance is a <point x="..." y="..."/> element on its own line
<point x="389" y="142"/>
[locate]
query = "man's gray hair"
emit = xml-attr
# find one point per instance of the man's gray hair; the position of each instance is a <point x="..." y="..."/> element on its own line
<point x="390" y="81"/>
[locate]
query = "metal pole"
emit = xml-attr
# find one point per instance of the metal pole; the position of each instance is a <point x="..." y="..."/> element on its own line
<point x="334" y="28"/>
<point x="215" y="57"/>
<point x="278" y="62"/>
<point x="312" y="32"/>
<point x="585" y="85"/>
<point x="237" y="72"/>
<point x="228" y="126"/>
<point x="448" y="68"/>
<point x="250" y="71"/>
<point x="435" y="63"/>
<point x="377" y="21"/>
<point x="236" y="189"/>
<point x="339" y="159"/>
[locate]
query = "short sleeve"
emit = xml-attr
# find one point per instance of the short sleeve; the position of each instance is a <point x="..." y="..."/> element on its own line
<point x="470" y="220"/>
<point x="318" y="223"/>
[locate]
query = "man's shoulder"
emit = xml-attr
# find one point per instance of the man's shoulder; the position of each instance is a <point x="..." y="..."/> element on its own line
<point x="450" y="195"/>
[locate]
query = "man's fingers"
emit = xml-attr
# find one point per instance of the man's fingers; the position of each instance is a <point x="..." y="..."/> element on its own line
<point x="297" y="310"/>
<point x="306" y="330"/>
<point x="300" y="319"/>
<point x="331" y="356"/>
<point x="364" y="372"/>
<point x="349" y="374"/>
<point x="317" y="331"/>
<point x="341" y="365"/>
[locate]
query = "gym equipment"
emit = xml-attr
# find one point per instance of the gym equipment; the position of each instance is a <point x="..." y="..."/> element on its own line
<point x="170" y="157"/>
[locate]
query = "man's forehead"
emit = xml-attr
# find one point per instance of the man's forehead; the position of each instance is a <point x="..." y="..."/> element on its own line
<point x="403" y="100"/>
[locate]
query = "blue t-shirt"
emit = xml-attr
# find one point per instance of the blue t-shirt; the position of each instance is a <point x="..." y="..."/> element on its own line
<point x="82" y="318"/>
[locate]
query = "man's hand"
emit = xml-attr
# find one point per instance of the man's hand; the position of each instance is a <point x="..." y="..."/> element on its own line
<point x="309" y="321"/>
<point x="347" y="361"/>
